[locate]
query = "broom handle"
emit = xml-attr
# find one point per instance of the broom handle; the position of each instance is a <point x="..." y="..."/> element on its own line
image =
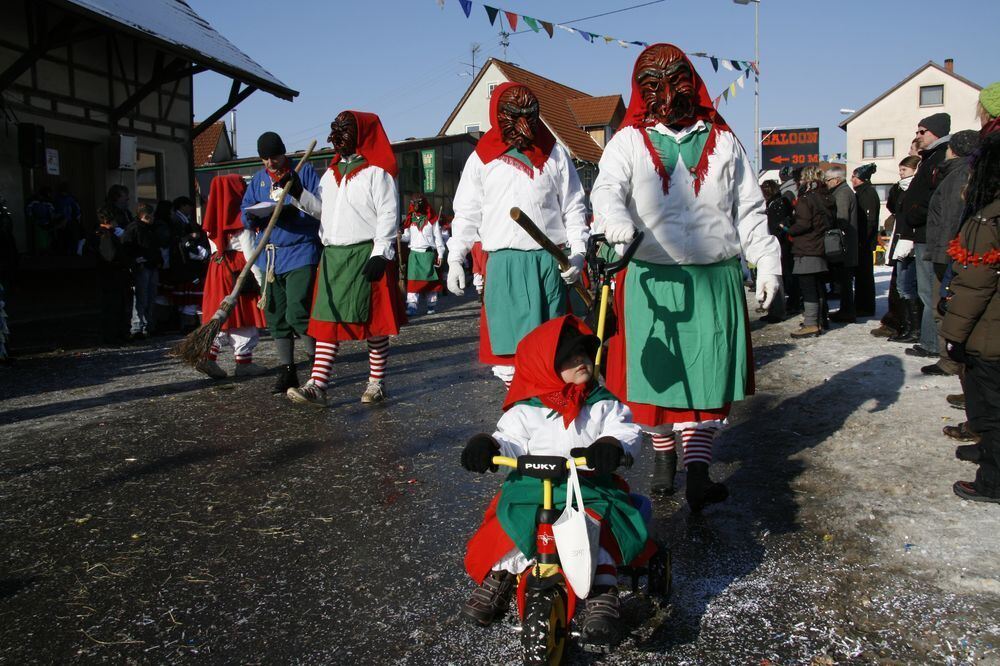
<point x="252" y="259"/>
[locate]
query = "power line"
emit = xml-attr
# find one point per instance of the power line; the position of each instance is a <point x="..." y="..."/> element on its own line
<point x="586" y="18"/>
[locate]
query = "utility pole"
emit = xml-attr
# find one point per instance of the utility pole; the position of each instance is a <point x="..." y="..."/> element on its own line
<point x="232" y="131"/>
<point x="756" y="79"/>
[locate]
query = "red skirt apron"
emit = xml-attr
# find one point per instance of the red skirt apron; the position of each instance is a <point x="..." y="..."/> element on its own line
<point x="385" y="317"/>
<point x="219" y="282"/>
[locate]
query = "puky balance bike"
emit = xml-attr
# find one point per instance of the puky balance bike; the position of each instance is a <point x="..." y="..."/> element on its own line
<point x="545" y="602"/>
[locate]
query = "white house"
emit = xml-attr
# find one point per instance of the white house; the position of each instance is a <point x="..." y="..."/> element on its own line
<point x="881" y="131"/>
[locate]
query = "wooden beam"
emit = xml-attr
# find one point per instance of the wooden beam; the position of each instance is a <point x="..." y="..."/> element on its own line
<point x="48" y="41"/>
<point x="178" y="68"/>
<point x="234" y="99"/>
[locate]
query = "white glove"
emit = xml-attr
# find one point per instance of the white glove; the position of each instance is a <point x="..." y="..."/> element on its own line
<point x="456" y="278"/>
<point x="768" y="287"/>
<point x="572" y="274"/>
<point x="618" y="232"/>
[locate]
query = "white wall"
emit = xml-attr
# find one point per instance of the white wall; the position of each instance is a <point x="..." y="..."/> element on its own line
<point x="477" y="107"/>
<point x="896" y="117"/>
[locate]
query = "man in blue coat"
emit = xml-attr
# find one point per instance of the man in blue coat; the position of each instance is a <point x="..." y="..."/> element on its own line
<point x="288" y="263"/>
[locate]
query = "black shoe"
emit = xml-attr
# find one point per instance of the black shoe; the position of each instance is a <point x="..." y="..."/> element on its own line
<point x="701" y="490"/>
<point x="490" y="600"/>
<point x="664" y="470"/>
<point x="967" y="491"/>
<point x="917" y="350"/>
<point x="601" y="622"/>
<point x="287" y="378"/>
<point x="934" y="369"/>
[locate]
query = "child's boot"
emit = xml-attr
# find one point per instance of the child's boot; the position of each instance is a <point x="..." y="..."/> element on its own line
<point x="308" y="394"/>
<point x="490" y="600"/>
<point x="601" y="622"/>
<point x="287" y="378"/>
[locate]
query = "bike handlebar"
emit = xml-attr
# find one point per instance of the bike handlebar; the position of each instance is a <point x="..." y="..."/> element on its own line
<point x="506" y="461"/>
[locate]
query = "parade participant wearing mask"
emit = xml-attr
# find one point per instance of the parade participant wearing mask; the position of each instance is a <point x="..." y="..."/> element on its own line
<point x="682" y="356"/>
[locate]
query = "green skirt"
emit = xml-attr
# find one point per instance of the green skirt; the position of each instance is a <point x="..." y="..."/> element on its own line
<point x="686" y="334"/>
<point x="343" y="295"/>
<point x="420" y="266"/>
<point x="523" y="289"/>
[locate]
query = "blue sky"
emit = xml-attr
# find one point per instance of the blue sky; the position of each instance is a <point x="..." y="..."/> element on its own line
<point x="402" y="59"/>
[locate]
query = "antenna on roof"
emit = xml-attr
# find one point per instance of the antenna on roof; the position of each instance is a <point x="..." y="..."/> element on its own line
<point x="475" y="48"/>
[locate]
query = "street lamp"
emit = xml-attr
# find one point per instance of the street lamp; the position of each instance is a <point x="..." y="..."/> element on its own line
<point x="756" y="79"/>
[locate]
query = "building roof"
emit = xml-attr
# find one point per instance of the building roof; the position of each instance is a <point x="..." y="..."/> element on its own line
<point x="554" y="108"/>
<point x="930" y="63"/>
<point x="596" y="111"/>
<point x="178" y="29"/>
<point x="204" y="145"/>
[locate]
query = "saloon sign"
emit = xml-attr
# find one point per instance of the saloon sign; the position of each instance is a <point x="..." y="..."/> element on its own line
<point x="795" y="146"/>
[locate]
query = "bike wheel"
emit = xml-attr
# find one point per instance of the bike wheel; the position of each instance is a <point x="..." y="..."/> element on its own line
<point x="545" y="629"/>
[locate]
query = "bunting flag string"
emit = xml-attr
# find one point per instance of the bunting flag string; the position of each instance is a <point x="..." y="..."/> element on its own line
<point x="730" y="90"/>
<point x="538" y="25"/>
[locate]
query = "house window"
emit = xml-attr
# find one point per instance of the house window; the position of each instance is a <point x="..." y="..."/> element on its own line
<point x="931" y="95"/>
<point x="876" y="148"/>
<point x="148" y="177"/>
<point x="492" y="87"/>
<point x="883" y="192"/>
<point x="472" y="128"/>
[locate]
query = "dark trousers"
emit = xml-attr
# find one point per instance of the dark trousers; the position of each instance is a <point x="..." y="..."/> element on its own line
<point x="289" y="302"/>
<point x="115" y="298"/>
<point x="982" y="407"/>
<point x="864" y="283"/>
<point x="895" y="316"/>
<point x="844" y="276"/>
<point x="793" y="295"/>
<point x="813" y="296"/>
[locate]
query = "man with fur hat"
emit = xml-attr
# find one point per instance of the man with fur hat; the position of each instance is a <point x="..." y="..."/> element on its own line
<point x="868" y="206"/>
<point x="517" y="163"/>
<point x="357" y="296"/>
<point x="682" y="354"/>
<point x="287" y="267"/>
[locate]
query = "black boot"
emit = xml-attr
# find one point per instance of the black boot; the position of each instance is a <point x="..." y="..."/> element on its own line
<point x="701" y="490"/>
<point x="664" y="470"/>
<point x="287" y="378"/>
<point x="909" y="332"/>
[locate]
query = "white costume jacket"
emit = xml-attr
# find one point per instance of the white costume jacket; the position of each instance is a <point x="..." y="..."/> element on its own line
<point x="552" y="198"/>
<point x="725" y="219"/>
<point x="362" y="208"/>
<point x="428" y="238"/>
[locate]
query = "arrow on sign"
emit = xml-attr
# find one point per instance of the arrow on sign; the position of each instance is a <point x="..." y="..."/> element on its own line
<point x="779" y="159"/>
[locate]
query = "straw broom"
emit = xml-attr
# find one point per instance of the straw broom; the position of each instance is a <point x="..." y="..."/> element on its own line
<point x="193" y="348"/>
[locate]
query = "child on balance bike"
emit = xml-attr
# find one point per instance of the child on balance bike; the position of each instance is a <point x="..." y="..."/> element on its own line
<point x="555" y="407"/>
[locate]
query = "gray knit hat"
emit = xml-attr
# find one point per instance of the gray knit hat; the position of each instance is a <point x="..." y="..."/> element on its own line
<point x="964" y="143"/>
<point x="939" y="124"/>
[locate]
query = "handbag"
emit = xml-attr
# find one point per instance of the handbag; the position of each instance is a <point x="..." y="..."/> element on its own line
<point x="577" y="538"/>
<point x="833" y="245"/>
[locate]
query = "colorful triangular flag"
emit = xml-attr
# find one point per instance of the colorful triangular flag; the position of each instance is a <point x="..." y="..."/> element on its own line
<point x="492" y="13"/>
<point x="715" y="63"/>
<point x="608" y="40"/>
<point x="748" y="73"/>
<point x="739" y="82"/>
<point x="736" y="64"/>
<point x="642" y="44"/>
<point x="589" y="36"/>
<point x="732" y="89"/>
<point x="728" y="64"/>
<point x="532" y="23"/>
<point x="622" y="43"/>
<point x="512" y="19"/>
<point x="547" y="27"/>
<point x="725" y="94"/>
<point x="466" y="7"/>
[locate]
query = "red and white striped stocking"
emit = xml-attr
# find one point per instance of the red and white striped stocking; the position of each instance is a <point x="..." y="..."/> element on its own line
<point x="378" y="353"/>
<point x="326" y="354"/>
<point x="663" y="442"/>
<point x="213" y="353"/>
<point x="697" y="441"/>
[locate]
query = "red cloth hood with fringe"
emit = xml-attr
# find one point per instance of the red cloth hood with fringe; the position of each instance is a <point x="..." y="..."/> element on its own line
<point x="427" y="211"/>
<point x="373" y="145"/>
<point x="635" y="116"/>
<point x="223" y="215"/>
<point x="491" y="145"/>
<point x="535" y="373"/>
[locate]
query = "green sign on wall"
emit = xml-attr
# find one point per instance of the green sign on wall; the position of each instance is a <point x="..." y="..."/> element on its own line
<point x="430" y="173"/>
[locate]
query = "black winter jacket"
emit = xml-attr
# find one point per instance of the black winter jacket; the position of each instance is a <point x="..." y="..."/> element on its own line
<point x="815" y="213"/>
<point x="911" y="218"/>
